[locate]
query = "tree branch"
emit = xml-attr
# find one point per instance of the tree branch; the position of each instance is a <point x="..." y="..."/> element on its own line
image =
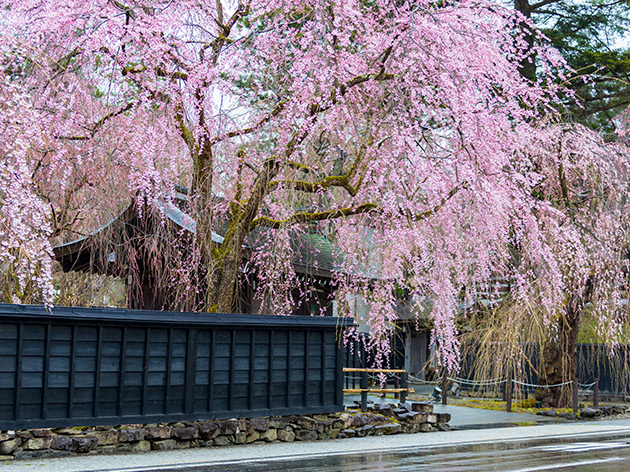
<point x="99" y="124"/>
<point x="307" y="217"/>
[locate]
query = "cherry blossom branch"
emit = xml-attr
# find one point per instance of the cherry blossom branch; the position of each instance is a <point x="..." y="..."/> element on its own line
<point x="303" y="217"/>
<point x="92" y="130"/>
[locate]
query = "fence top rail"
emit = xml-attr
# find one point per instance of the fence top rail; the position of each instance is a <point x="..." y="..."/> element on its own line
<point x="389" y="371"/>
<point x="122" y="315"/>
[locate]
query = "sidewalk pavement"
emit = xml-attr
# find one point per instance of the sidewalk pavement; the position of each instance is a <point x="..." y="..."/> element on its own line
<point x="211" y="459"/>
<point x="471" y="418"/>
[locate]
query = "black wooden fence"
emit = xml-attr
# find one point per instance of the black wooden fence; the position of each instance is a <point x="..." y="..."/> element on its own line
<point x="593" y="361"/>
<point x="78" y="366"/>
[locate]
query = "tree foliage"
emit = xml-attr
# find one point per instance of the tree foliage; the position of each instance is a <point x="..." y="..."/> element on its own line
<point x="403" y="123"/>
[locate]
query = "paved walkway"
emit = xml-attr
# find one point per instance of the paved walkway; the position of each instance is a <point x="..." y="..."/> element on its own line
<point x="472" y="418"/>
<point x="213" y="458"/>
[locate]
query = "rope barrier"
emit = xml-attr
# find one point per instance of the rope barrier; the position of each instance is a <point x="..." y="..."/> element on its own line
<point x="586" y="385"/>
<point x="542" y="386"/>
<point x="477" y="382"/>
<point x="483" y="383"/>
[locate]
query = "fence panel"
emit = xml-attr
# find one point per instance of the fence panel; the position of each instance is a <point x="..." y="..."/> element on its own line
<point x="89" y="366"/>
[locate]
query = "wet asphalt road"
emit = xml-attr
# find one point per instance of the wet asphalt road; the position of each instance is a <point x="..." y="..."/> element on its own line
<point x="583" y="456"/>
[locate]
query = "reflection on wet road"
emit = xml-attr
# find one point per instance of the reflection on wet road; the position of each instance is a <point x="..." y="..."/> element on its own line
<point x="600" y="456"/>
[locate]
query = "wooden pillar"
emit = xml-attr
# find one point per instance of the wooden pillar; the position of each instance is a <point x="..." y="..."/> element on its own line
<point x="364" y="393"/>
<point x="403" y="384"/>
<point x="508" y="393"/>
<point x="444" y="387"/>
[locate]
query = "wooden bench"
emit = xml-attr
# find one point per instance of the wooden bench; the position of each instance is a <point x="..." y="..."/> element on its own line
<point x="364" y="390"/>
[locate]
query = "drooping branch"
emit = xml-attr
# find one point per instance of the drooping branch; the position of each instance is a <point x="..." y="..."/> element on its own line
<point x="303" y="217"/>
<point x="233" y="134"/>
<point x="92" y="130"/>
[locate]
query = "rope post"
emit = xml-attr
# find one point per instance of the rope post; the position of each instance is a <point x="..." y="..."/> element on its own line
<point x="508" y="394"/>
<point x="403" y="384"/>
<point x="444" y="385"/>
<point x="364" y="393"/>
<point x="596" y="394"/>
<point x="575" y="396"/>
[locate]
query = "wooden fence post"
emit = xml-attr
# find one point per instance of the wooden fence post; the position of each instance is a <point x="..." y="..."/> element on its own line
<point x="364" y="393"/>
<point x="444" y="387"/>
<point x="575" y="396"/>
<point x="596" y="394"/>
<point x="508" y="393"/>
<point x="397" y="385"/>
<point x="403" y="384"/>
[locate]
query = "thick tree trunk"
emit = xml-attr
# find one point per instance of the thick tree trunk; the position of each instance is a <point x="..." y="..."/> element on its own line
<point x="559" y="358"/>
<point x="224" y="261"/>
<point x="560" y="351"/>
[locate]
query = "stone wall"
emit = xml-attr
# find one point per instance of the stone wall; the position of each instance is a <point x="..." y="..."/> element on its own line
<point x="379" y="420"/>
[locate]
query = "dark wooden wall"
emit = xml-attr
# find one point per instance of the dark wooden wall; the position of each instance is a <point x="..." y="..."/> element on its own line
<point x="78" y="366"/>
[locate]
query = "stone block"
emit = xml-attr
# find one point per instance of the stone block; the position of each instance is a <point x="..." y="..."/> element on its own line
<point x="165" y="445"/>
<point x="286" y="435"/>
<point x="240" y="437"/>
<point x="414" y="417"/>
<point x="228" y="427"/>
<point x="278" y="423"/>
<point x="157" y="432"/>
<point x="208" y="430"/>
<point x="590" y="412"/>
<point x="385" y="409"/>
<point x="269" y="436"/>
<point x="122" y="447"/>
<point x="182" y="444"/>
<point x="443" y="417"/>
<point x="305" y="435"/>
<point x="61" y="443"/>
<point x="432" y="419"/>
<point x="426" y="428"/>
<point x="186" y="433"/>
<point x="105" y="438"/>
<point x="36" y="444"/>
<point x="423" y="407"/>
<point x="41" y="433"/>
<point x="357" y="421"/>
<point x="251" y="437"/>
<point x="131" y="435"/>
<point x="338" y="424"/>
<point x="259" y="424"/>
<point x="7" y="447"/>
<point x="221" y="441"/>
<point x="391" y="428"/>
<point x="346" y="433"/>
<point x="141" y="446"/>
<point x="84" y="443"/>
<point x="364" y="430"/>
